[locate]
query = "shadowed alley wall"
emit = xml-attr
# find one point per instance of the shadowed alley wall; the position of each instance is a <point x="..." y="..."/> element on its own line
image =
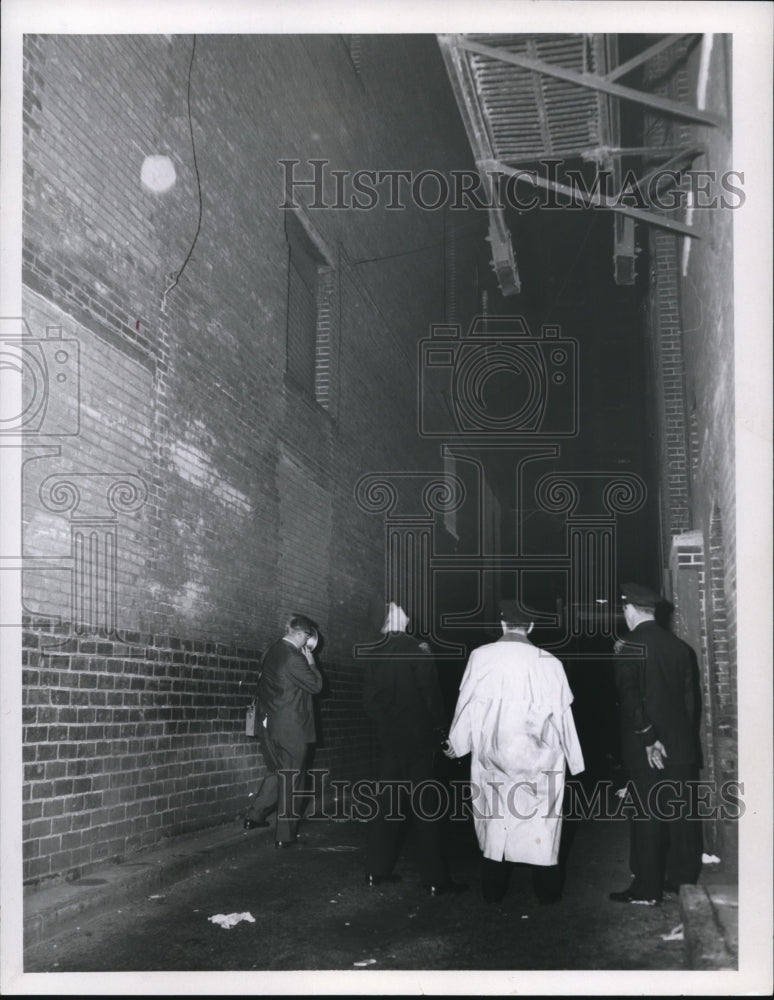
<point x="200" y="486"/>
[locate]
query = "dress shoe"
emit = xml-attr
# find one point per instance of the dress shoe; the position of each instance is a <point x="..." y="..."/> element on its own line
<point x="627" y="896"/>
<point x="443" y="888"/>
<point x="255" y="824"/>
<point x="373" y="880"/>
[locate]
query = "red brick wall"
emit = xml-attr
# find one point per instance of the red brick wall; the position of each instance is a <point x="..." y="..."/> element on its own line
<point x="248" y="508"/>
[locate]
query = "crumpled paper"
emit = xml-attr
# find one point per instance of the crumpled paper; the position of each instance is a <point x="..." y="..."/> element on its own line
<point x="676" y="934"/>
<point x="228" y="920"/>
<point x="710" y="859"/>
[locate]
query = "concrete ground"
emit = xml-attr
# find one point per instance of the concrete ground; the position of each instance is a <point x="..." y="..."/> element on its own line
<point x="312" y="911"/>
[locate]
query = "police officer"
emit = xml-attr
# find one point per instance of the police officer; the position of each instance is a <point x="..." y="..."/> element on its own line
<point x="655" y="680"/>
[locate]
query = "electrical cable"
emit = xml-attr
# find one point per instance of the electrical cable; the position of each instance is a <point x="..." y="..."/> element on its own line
<point x="198" y="184"/>
<point x="429" y="246"/>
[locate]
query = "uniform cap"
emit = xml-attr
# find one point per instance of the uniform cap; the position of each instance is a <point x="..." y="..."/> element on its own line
<point x="643" y="597"/>
<point x="514" y="613"/>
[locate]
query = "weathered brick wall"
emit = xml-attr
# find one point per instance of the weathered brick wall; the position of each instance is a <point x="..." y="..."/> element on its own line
<point x="128" y="741"/>
<point x="691" y="310"/>
<point x="248" y="509"/>
<point x="670" y="391"/>
<point x="69" y="479"/>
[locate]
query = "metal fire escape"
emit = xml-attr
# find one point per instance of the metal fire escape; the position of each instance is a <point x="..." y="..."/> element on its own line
<point x="527" y="99"/>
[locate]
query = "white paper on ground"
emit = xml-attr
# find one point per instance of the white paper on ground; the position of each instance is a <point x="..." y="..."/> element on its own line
<point x="228" y="920"/>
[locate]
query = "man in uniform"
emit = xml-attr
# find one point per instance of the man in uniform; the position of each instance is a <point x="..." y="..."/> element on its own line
<point x="402" y="697"/>
<point x="514" y="717"/>
<point x="289" y="679"/>
<point x="657" y="699"/>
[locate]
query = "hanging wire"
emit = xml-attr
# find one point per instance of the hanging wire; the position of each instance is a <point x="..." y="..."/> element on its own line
<point x="570" y="271"/>
<point x="460" y="230"/>
<point x="198" y="185"/>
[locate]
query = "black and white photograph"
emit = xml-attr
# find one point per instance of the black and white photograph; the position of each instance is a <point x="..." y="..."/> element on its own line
<point x="386" y="540"/>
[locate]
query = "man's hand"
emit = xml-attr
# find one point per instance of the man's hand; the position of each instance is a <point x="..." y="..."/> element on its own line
<point x="656" y="753"/>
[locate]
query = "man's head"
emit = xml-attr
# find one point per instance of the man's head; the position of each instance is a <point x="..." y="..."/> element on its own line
<point x="298" y="629"/>
<point x="387" y="616"/>
<point x="515" y="618"/>
<point x="396" y="619"/>
<point x="639" y="603"/>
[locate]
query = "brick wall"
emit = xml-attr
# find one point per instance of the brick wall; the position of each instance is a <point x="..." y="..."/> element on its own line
<point x="669" y="387"/>
<point x="127" y="741"/>
<point x="68" y="478"/>
<point x="245" y="507"/>
<point x="691" y="321"/>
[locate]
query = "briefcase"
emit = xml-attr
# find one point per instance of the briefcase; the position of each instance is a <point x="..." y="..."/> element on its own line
<point x="250" y="720"/>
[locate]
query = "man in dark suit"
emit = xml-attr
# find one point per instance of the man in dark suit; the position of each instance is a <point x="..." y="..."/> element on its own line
<point x="289" y="679"/>
<point x="402" y="696"/>
<point x="656" y="694"/>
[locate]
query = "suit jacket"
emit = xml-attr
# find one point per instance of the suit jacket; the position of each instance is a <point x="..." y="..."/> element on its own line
<point x="285" y="692"/>
<point x="402" y="695"/>
<point x="657" y="696"/>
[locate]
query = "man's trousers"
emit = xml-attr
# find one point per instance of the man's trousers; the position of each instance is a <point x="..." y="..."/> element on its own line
<point x="407" y="793"/>
<point x="665" y="835"/>
<point x="281" y="791"/>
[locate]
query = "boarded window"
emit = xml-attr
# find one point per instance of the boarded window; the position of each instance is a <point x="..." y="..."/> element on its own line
<point x="310" y="289"/>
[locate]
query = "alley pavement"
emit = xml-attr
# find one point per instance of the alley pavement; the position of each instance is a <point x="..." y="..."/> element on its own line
<point x="308" y="908"/>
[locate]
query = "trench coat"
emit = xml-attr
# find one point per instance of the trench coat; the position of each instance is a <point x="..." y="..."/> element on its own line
<point x="513" y="716"/>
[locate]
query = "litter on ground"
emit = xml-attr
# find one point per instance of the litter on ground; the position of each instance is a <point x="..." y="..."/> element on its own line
<point x="367" y="961"/>
<point x="676" y="934"/>
<point x="710" y="859"/>
<point x="228" y="920"/>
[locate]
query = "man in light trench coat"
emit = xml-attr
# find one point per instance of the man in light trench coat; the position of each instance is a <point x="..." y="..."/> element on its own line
<point x="513" y="716"/>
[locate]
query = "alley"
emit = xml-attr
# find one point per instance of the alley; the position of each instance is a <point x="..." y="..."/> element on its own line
<point x="311" y="910"/>
<point x="445" y="325"/>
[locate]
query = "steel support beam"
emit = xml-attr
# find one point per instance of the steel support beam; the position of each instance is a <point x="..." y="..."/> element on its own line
<point x="642" y="57"/>
<point x="593" y="82"/>
<point x="686" y="155"/>
<point x="464" y="88"/>
<point x="594" y="199"/>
